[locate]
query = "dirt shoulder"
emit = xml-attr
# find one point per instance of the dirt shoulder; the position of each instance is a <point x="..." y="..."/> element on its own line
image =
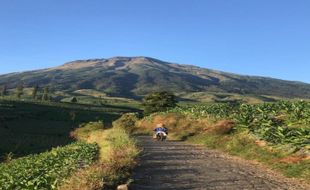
<point x="175" y="165"/>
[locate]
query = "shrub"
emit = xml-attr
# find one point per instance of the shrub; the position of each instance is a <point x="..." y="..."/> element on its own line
<point x="83" y="132"/>
<point x="127" y="121"/>
<point x="73" y="100"/>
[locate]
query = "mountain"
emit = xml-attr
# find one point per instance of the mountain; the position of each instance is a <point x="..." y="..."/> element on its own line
<point x="134" y="77"/>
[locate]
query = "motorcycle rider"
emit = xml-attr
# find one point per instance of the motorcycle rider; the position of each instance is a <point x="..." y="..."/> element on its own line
<point x="160" y="128"/>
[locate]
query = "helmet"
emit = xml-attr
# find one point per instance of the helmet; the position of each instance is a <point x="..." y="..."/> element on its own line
<point x="160" y="125"/>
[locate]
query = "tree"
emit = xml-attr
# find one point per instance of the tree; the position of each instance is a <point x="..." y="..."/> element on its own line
<point x="35" y="91"/>
<point x="45" y="96"/>
<point x="73" y="100"/>
<point x="158" y="101"/>
<point x="19" y="90"/>
<point x="4" y="90"/>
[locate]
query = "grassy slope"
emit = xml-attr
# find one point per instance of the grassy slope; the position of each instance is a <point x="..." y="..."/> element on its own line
<point x="31" y="127"/>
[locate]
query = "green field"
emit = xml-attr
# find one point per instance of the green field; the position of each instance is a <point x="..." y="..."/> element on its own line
<point x="282" y="122"/>
<point x="28" y="127"/>
<point x="46" y="170"/>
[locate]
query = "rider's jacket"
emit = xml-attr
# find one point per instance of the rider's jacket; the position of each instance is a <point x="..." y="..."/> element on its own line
<point x="160" y="129"/>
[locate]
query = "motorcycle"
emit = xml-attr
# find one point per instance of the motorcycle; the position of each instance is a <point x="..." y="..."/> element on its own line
<point x="161" y="136"/>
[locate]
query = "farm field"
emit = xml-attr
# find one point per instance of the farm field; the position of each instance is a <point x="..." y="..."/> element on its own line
<point x="282" y="122"/>
<point x="28" y="127"/>
<point x="45" y="170"/>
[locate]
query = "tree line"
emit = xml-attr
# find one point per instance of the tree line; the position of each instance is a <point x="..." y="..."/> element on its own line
<point x="153" y="102"/>
<point x="19" y="91"/>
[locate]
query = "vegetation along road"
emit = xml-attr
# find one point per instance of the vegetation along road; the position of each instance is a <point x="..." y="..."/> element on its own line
<point x="177" y="165"/>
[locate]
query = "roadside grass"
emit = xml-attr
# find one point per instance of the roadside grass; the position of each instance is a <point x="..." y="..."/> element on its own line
<point x="116" y="158"/>
<point x="218" y="135"/>
<point x="243" y="145"/>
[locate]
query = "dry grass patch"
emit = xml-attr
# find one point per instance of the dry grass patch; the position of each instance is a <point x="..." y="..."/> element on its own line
<point x="116" y="159"/>
<point x="221" y="127"/>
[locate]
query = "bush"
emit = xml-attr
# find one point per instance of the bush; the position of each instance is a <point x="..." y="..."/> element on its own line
<point x="127" y="121"/>
<point x="84" y="130"/>
<point x="73" y="100"/>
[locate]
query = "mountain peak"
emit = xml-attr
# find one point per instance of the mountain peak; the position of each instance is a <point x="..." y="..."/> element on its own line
<point x="117" y="61"/>
<point x="77" y="64"/>
<point x="116" y="58"/>
<point x="140" y="59"/>
<point x="139" y="75"/>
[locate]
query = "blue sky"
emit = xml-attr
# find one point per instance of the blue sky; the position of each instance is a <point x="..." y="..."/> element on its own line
<point x="254" y="37"/>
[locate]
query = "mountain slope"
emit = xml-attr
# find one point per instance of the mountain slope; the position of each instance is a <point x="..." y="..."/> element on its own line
<point x="137" y="76"/>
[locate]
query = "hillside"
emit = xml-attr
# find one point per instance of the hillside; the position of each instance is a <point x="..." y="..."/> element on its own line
<point x="133" y="77"/>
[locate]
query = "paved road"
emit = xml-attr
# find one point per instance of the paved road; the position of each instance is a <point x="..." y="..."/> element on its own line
<point x="175" y="165"/>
